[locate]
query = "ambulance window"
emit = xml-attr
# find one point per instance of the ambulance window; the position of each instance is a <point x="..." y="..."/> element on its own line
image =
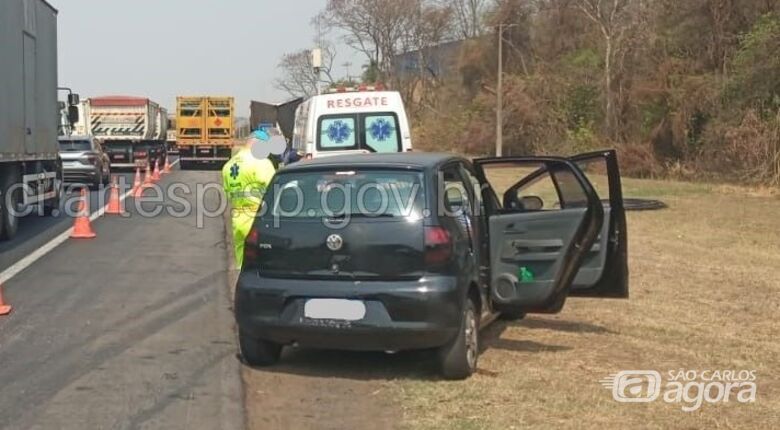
<point x="382" y="132"/>
<point x="337" y="132"/>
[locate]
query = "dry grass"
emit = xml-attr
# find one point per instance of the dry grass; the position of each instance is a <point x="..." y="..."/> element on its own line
<point x="705" y="285"/>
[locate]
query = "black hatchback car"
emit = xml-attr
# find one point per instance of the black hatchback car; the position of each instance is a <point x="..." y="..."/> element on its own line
<point x="390" y="252"/>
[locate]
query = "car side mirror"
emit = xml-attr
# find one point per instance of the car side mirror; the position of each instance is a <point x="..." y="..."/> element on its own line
<point x="73" y="114"/>
<point x="73" y="99"/>
<point x="532" y="203"/>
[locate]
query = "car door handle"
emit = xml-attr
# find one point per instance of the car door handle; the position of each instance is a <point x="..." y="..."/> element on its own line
<point x="511" y="228"/>
<point x="29" y="131"/>
<point x="542" y="243"/>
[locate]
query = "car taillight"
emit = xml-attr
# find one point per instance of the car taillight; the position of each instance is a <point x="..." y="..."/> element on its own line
<point x="438" y="246"/>
<point x="250" y="246"/>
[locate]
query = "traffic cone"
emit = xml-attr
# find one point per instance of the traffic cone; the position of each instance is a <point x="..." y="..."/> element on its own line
<point x="148" y="182"/>
<point x="5" y="309"/>
<point x="137" y="186"/>
<point x="156" y="171"/>
<point x="114" y="205"/>
<point x="167" y="168"/>
<point x="82" y="229"/>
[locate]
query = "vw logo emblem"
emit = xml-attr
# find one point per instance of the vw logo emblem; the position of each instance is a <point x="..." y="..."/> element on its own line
<point x="334" y="242"/>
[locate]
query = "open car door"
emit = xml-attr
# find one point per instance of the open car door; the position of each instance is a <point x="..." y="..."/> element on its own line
<point x="551" y="235"/>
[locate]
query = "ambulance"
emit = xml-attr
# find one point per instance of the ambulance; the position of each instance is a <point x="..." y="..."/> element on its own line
<point x="348" y="121"/>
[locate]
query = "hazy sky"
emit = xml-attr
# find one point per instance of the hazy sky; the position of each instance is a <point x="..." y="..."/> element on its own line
<point x="164" y="48"/>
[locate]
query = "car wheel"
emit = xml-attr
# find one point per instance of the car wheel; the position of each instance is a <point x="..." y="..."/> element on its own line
<point x="9" y="221"/>
<point x="458" y="359"/>
<point x="258" y="352"/>
<point x="513" y="316"/>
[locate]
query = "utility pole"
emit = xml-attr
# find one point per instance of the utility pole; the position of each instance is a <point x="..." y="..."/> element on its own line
<point x="347" y="65"/>
<point x="317" y="57"/>
<point x="500" y="92"/>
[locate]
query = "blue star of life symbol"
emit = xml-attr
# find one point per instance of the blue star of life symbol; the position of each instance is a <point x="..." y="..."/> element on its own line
<point x="234" y="171"/>
<point x="381" y="129"/>
<point x="339" y="131"/>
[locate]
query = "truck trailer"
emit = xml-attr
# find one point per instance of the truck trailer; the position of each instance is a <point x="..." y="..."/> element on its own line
<point x="204" y="130"/>
<point x="132" y="130"/>
<point x="30" y="166"/>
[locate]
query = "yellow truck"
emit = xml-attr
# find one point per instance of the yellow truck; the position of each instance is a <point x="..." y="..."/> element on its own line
<point x="204" y="130"/>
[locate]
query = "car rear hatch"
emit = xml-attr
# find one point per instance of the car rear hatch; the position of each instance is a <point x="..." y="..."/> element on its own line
<point x="76" y="152"/>
<point x="358" y="224"/>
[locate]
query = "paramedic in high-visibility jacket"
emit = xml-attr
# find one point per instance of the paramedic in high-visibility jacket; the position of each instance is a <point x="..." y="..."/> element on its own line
<point x="246" y="179"/>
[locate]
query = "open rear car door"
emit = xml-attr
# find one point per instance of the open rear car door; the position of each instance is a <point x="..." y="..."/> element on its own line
<point x="551" y="234"/>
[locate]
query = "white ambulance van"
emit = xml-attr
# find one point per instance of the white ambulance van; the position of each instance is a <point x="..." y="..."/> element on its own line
<point x="349" y="121"/>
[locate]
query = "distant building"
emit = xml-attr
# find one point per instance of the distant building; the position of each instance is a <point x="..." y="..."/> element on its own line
<point x="440" y="61"/>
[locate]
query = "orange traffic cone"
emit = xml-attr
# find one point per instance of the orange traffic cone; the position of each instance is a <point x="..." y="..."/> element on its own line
<point x="167" y="168"/>
<point x="5" y="309"/>
<point x="114" y="205"/>
<point x="137" y="179"/>
<point x="148" y="182"/>
<point x="137" y="186"/>
<point x="82" y="229"/>
<point x="156" y="171"/>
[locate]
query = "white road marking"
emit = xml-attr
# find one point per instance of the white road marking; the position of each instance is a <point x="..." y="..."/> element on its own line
<point x="36" y="255"/>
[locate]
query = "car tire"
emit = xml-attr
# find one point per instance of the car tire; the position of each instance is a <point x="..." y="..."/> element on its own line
<point x="513" y="316"/>
<point x="10" y="223"/>
<point x="257" y="352"/>
<point x="458" y="359"/>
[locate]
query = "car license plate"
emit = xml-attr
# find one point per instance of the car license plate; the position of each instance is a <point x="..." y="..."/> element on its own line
<point x="334" y="309"/>
<point x="119" y="156"/>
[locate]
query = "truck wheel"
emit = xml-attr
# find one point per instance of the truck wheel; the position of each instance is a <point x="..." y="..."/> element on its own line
<point x="49" y="206"/>
<point x="258" y="352"/>
<point x="10" y="223"/>
<point x="458" y="359"/>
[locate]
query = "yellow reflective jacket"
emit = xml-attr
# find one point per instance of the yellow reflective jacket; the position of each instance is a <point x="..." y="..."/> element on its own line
<point x="246" y="178"/>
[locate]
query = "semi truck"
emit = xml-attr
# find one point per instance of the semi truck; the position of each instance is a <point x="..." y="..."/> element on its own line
<point x="132" y="130"/>
<point x="171" y="138"/>
<point x="30" y="166"/>
<point x="204" y="132"/>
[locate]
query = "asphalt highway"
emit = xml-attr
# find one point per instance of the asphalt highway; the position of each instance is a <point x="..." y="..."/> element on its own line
<point x="132" y="329"/>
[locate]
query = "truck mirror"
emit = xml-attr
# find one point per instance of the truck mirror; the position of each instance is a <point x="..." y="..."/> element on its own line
<point x="73" y="114"/>
<point x="73" y="99"/>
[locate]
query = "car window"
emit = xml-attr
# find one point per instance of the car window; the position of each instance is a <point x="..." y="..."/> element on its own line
<point x="382" y="132"/>
<point x="75" y="145"/>
<point x="538" y="193"/>
<point x="475" y="190"/>
<point x="369" y="193"/>
<point x="596" y="171"/>
<point x="572" y="195"/>
<point x="337" y="132"/>
<point x="456" y="199"/>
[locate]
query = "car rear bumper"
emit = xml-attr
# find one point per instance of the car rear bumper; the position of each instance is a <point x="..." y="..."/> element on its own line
<point x="399" y="315"/>
<point x="79" y="174"/>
